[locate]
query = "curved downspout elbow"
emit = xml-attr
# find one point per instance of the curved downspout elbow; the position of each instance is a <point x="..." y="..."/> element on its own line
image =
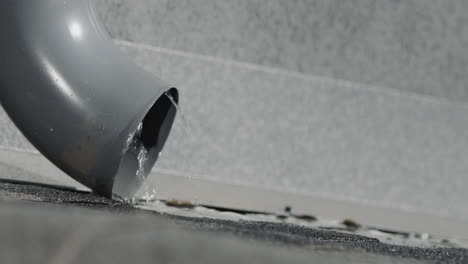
<point x="77" y="99"/>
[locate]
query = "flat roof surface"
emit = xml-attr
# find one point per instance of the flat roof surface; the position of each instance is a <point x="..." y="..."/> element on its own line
<point x="41" y="223"/>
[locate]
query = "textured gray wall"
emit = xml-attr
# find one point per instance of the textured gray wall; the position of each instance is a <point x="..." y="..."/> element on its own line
<point x="414" y="45"/>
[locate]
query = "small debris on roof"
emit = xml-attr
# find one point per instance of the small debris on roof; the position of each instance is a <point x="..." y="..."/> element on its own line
<point x="180" y="204"/>
<point x="423" y="236"/>
<point x="281" y="217"/>
<point x="309" y="218"/>
<point x="351" y="224"/>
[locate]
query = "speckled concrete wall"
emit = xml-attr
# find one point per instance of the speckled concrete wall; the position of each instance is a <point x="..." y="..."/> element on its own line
<point x="414" y="45"/>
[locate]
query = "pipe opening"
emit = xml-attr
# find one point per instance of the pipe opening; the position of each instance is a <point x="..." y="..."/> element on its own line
<point x="145" y="144"/>
<point x="153" y="123"/>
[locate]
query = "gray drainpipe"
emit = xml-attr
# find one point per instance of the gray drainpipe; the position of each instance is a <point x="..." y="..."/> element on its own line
<point x="77" y="99"/>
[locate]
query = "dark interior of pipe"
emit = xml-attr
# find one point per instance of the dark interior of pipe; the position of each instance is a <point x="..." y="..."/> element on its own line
<point x="155" y="119"/>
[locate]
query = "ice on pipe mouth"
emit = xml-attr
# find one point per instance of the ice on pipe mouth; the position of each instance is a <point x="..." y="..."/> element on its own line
<point x="144" y="145"/>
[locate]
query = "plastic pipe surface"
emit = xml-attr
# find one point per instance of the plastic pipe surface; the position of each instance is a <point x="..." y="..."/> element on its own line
<point x="77" y="99"/>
